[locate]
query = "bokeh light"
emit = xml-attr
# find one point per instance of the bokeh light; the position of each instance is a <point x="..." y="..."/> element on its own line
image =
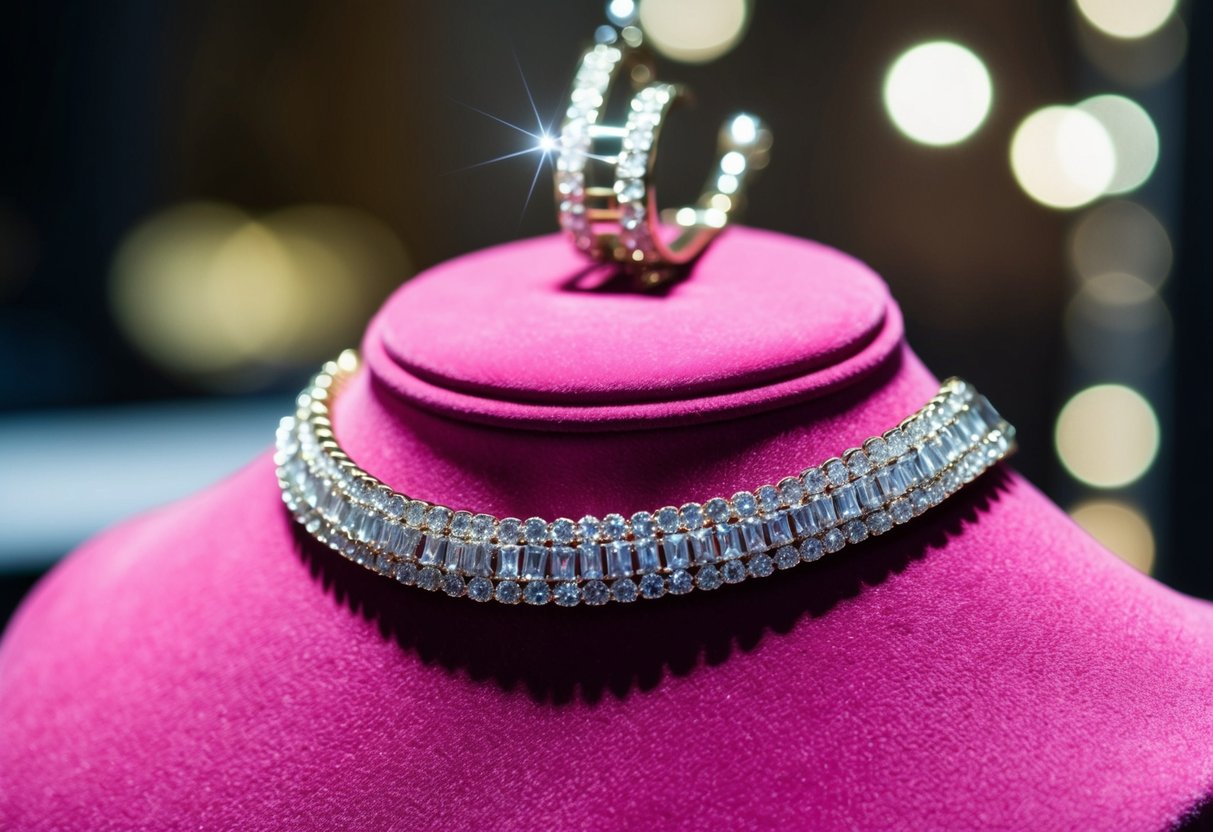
<point x="1137" y="63"/>
<point x="1127" y="18"/>
<point x="693" y="31"/>
<point x="938" y="93"/>
<point x="1117" y="323"/>
<point x="1124" y="237"/>
<point x="1120" y="528"/>
<point x="1134" y="138"/>
<point x="1107" y="435"/>
<point x="621" y="12"/>
<point x="1062" y="157"/>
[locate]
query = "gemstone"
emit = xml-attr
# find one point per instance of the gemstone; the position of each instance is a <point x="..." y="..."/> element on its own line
<point x="919" y="500"/>
<point x="733" y="572"/>
<point x="507" y="561"/>
<point x="534" y="561"/>
<point x="566" y="594"/>
<point x="563" y="531"/>
<point x="896" y="442"/>
<point x="791" y="491"/>
<point x="907" y="469"/>
<point x="537" y="593"/>
<point x="384" y="565"/>
<point x="476" y="559"/>
<point x="877" y="450"/>
<point x="406" y="573"/>
<point x="718" y="510"/>
<point x="405" y="544"/>
<point x="508" y="592"/>
<point x="986" y="411"/>
<point x="803" y="521"/>
<point x="752" y="536"/>
<point x="535" y="530"/>
<point x="846" y="503"/>
<point x="702" y="546"/>
<point x="951" y="480"/>
<point x="509" y="530"/>
<point x="768" y="498"/>
<point x="480" y="589"/>
<point x="949" y="439"/>
<point x="931" y="459"/>
<point x="879" y="522"/>
<point x="691" y="515"/>
<point x="858" y="463"/>
<point x="856" y="531"/>
<point x="643" y="525"/>
<point x="778" y="530"/>
<point x="646" y="555"/>
<point x="786" y="557"/>
<point x="455" y="553"/>
<point x="833" y="540"/>
<point x="915" y="429"/>
<point x="619" y="559"/>
<point x="676" y="551"/>
<point x="429" y="578"/>
<point x="590" y="556"/>
<point x="868" y="493"/>
<point x="837" y="472"/>
<point x="815" y="480"/>
<point x="652" y="586"/>
<point x="728" y="538"/>
<point x="890" y="482"/>
<point x="667" y="519"/>
<point x="394" y="506"/>
<point x="614" y="527"/>
<point x="461" y="524"/>
<point x="595" y="593"/>
<point x="708" y="577"/>
<point x="823" y="511"/>
<point x="745" y="503"/>
<point x="811" y="550"/>
<point x="453" y="586"/>
<point x="589" y="527"/>
<point x="434" y="550"/>
<point x="624" y="590"/>
<point x="935" y="494"/>
<point x="681" y="582"/>
<point x="760" y="566"/>
<point x="437" y="518"/>
<point x="564" y="563"/>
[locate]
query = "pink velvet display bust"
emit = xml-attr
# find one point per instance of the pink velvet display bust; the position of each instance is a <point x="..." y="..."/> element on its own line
<point x="987" y="665"/>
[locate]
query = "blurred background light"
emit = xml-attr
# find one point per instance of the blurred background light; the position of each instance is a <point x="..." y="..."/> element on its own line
<point x="1134" y="138"/>
<point x="1137" y="63"/>
<point x="1107" y="436"/>
<point x="937" y="93"/>
<point x="1127" y="18"/>
<point x="1121" y="528"/>
<point x="621" y="12"/>
<point x="1117" y="323"/>
<point x="1062" y="157"/>
<point x="1124" y="237"/>
<point x="693" y="31"/>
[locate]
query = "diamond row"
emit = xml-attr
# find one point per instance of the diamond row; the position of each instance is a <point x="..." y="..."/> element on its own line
<point x="865" y="492"/>
<point x="644" y="118"/>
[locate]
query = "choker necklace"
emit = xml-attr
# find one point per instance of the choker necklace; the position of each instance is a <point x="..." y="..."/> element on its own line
<point x="862" y="493"/>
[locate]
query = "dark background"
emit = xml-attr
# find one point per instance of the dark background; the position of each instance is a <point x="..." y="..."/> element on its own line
<point x="116" y="112"/>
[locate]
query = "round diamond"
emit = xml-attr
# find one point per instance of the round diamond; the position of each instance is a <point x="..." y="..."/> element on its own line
<point x="563" y="531"/>
<point x="414" y="515"/>
<point x="595" y="593"/>
<point x="437" y="518"/>
<point x="768" y="498"/>
<point x="857" y="532"/>
<point x="920" y="502"/>
<point x="642" y="524"/>
<point x="786" y="557"/>
<point x="395" y="507"/>
<point x="482" y="527"/>
<point x="535" y="530"/>
<point x="837" y="472"/>
<point x="761" y="565"/>
<point x="815" y="480"/>
<point x="791" y="491"/>
<point x="652" y="586"/>
<point x="811" y="550"/>
<point x="745" y="504"/>
<point x="536" y="592"/>
<point x="624" y="590"/>
<point x="480" y="589"/>
<point x="833" y="541"/>
<point x="461" y="524"/>
<point x="429" y="578"/>
<point x="588" y="527"/>
<point x="692" y="515"/>
<point x="880" y="522"/>
<point x="508" y="530"/>
<point x="896" y="442"/>
<point x="614" y="527"/>
<point x="877" y="450"/>
<point x="508" y="592"/>
<point x="901" y="510"/>
<point x="406" y="573"/>
<point x="915" y="429"/>
<point x="733" y="572"/>
<point x="717" y="510"/>
<point x="858" y="463"/>
<point x="667" y="519"/>
<point x="708" y="577"/>
<point x="453" y="586"/>
<point x="567" y="594"/>
<point x="681" y="582"/>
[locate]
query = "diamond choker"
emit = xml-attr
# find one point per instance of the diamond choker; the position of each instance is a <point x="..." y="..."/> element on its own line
<point x="866" y="491"/>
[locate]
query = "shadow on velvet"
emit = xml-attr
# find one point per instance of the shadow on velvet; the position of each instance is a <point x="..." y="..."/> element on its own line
<point x="559" y="655"/>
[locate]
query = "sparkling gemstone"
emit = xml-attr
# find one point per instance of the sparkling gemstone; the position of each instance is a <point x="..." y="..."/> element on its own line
<point x="652" y="586"/>
<point x="537" y="593"/>
<point x="595" y="593"/>
<point x="614" y="527"/>
<point x="453" y="585"/>
<point x="768" y="498"/>
<point x="752" y="537"/>
<point x="833" y="540"/>
<point x="791" y="491"/>
<point x="877" y="450"/>
<point x="717" y="510"/>
<point x="394" y="507"/>
<point x="534" y="561"/>
<point x="986" y="411"/>
<point x="915" y="429"/>
<point x="456" y="551"/>
<point x="823" y="511"/>
<point x="676" y="551"/>
<point x="907" y="469"/>
<point x="619" y="559"/>
<point x="778" y="530"/>
<point x="384" y="565"/>
<point x="803" y="520"/>
<point x="846" y="502"/>
<point x="811" y="550"/>
<point x="868" y="493"/>
<point x="890" y="481"/>
<point x="590" y="557"/>
<point x="507" y="561"/>
<point x="858" y="463"/>
<point x="535" y="530"/>
<point x="837" y="472"/>
<point x="745" y="503"/>
<point x="509" y="530"/>
<point x="880" y="522"/>
<point x="935" y="494"/>
<point x="708" y="577"/>
<point x="461" y="524"/>
<point x="728" y="539"/>
<point x="429" y="578"/>
<point x="856" y="531"/>
<point x="566" y="594"/>
<point x="681" y="582"/>
<point x="563" y="531"/>
<point x="508" y="592"/>
<point x="702" y="546"/>
<point x="761" y="565"/>
<point x="646" y="555"/>
<point x="815" y="480"/>
<point x="643" y="525"/>
<point x="437" y="518"/>
<point x="406" y="573"/>
<point x="733" y="571"/>
<point x="589" y="527"/>
<point x="667" y="519"/>
<point x="786" y="557"/>
<point x="919" y="501"/>
<point x="897" y="443"/>
<point x="434" y="550"/>
<point x="691" y="515"/>
<point x="480" y="589"/>
<point x="477" y="559"/>
<point x="951" y="442"/>
<point x="564" y="563"/>
<point x="624" y="590"/>
<point x="951" y="480"/>
<point x="931" y="459"/>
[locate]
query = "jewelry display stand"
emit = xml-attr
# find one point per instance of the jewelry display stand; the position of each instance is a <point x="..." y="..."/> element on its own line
<point x="987" y="665"/>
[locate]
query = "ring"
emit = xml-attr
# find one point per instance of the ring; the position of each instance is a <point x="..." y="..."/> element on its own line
<point x="622" y="223"/>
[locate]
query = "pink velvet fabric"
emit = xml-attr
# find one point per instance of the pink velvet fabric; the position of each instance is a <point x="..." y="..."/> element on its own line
<point x="987" y="666"/>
